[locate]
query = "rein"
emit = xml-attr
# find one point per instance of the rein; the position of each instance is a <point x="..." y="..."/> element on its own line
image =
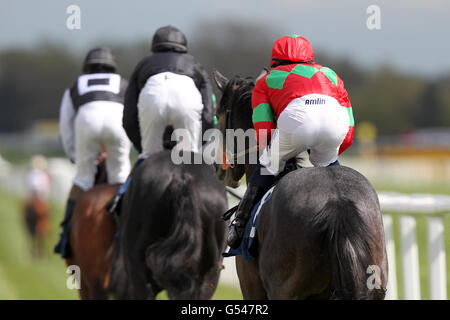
<point x="233" y="155"/>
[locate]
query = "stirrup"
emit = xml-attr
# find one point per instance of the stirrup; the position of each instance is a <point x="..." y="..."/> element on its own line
<point x="235" y="235"/>
<point x="112" y="205"/>
<point x="227" y="215"/>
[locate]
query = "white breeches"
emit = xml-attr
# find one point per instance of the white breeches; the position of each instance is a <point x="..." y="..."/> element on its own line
<point x="98" y="124"/>
<point x="39" y="183"/>
<point x="315" y="122"/>
<point x="169" y="99"/>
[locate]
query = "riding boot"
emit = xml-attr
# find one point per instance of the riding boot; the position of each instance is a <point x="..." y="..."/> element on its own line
<point x="256" y="188"/>
<point x="63" y="245"/>
<point x="115" y="203"/>
<point x="237" y="227"/>
<point x="336" y="163"/>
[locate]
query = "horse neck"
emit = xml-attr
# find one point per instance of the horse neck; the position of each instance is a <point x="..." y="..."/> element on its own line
<point x="245" y="123"/>
<point x="249" y="169"/>
<point x="242" y="118"/>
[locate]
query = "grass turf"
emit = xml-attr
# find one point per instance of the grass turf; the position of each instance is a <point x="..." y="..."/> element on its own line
<point x="24" y="278"/>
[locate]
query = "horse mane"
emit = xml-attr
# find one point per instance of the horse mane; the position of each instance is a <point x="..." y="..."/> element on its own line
<point x="238" y="92"/>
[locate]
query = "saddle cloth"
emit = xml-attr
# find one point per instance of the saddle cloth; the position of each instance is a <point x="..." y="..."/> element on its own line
<point x="249" y="245"/>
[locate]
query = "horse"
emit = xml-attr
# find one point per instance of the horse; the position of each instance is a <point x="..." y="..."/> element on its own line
<point x="171" y="234"/>
<point x="320" y="235"/>
<point x="92" y="236"/>
<point x="36" y="218"/>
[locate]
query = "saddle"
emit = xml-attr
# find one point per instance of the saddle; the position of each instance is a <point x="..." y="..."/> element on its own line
<point x="249" y="246"/>
<point x="291" y="165"/>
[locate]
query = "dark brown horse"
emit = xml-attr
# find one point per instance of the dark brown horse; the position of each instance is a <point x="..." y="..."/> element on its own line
<point x="321" y="233"/>
<point x="171" y="232"/>
<point x="92" y="236"/>
<point x="36" y="216"/>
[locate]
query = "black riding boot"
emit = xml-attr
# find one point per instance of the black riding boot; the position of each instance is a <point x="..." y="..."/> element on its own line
<point x="336" y="163"/>
<point x="237" y="227"/>
<point x="115" y="203"/>
<point x="258" y="185"/>
<point x="63" y="245"/>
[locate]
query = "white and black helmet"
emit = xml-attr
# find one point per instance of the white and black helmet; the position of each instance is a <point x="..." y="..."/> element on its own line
<point x="169" y="38"/>
<point x="100" y="56"/>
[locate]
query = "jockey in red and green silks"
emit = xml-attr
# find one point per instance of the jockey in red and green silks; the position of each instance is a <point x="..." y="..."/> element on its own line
<point x="298" y="106"/>
<point x="295" y="79"/>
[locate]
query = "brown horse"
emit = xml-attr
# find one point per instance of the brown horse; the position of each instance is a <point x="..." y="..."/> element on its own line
<point x="92" y="236"/>
<point x="36" y="216"/>
<point x="321" y="233"/>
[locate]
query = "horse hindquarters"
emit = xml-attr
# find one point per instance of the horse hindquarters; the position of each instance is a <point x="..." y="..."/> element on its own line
<point x="91" y="240"/>
<point x="175" y="261"/>
<point x="323" y="255"/>
<point x="350" y="243"/>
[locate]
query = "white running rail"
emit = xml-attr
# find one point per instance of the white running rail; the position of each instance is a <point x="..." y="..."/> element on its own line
<point x="434" y="207"/>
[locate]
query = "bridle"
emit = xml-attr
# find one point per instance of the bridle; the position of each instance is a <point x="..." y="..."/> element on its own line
<point x="234" y="156"/>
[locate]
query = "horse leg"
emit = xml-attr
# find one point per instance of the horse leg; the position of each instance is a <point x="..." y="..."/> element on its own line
<point x="290" y="266"/>
<point x="152" y="290"/>
<point x="249" y="279"/>
<point x="92" y="289"/>
<point x="379" y="256"/>
<point x="209" y="285"/>
<point x="40" y="246"/>
<point x="84" y="291"/>
<point x="98" y="292"/>
<point x="137" y="271"/>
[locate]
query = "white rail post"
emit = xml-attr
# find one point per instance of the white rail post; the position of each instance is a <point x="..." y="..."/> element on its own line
<point x="436" y="259"/>
<point x="410" y="258"/>
<point x="391" y="293"/>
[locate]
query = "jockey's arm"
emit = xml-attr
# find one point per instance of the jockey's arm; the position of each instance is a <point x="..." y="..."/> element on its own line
<point x="130" y="111"/>
<point x="263" y="116"/>
<point x="206" y="92"/>
<point x="67" y="125"/>
<point x="344" y="101"/>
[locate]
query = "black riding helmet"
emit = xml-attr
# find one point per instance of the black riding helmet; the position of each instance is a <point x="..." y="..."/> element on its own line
<point x="99" y="58"/>
<point x="169" y="38"/>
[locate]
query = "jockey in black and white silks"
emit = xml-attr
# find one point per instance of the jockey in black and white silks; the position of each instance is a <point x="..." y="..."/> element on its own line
<point x="91" y="119"/>
<point x="169" y="87"/>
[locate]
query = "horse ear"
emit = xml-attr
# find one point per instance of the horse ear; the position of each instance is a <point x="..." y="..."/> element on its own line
<point x="220" y="80"/>
<point x="263" y="73"/>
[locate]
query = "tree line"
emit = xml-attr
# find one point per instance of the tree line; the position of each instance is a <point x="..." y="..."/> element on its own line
<point x="32" y="81"/>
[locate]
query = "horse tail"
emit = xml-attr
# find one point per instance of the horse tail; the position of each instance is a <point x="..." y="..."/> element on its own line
<point x="118" y="283"/>
<point x="174" y="262"/>
<point x="347" y="237"/>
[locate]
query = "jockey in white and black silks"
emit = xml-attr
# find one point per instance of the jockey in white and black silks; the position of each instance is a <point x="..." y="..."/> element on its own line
<point x="298" y="106"/>
<point x="38" y="179"/>
<point x="90" y="120"/>
<point x="167" y="88"/>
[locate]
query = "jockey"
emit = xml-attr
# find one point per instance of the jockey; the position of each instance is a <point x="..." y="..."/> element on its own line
<point x="38" y="179"/>
<point x="167" y="88"/>
<point x="308" y="109"/>
<point x="91" y="119"/>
